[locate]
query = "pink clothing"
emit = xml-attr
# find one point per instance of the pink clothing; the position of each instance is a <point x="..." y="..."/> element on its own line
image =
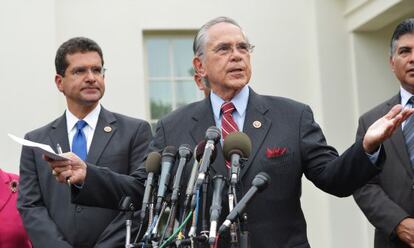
<point x="12" y="232"/>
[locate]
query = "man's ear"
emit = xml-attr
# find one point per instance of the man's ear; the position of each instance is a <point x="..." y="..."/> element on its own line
<point x="391" y="61"/>
<point x="58" y="82"/>
<point x="198" y="66"/>
<point x="199" y="82"/>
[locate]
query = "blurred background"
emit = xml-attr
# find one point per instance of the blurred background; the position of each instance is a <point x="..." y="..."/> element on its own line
<point x="330" y="54"/>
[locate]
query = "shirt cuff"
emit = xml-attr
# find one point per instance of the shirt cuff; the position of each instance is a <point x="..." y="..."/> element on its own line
<point x="374" y="156"/>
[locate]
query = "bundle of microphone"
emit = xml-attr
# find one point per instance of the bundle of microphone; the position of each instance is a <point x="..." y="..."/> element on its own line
<point x="173" y="217"/>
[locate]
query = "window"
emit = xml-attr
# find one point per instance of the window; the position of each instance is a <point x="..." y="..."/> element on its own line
<point x="169" y="73"/>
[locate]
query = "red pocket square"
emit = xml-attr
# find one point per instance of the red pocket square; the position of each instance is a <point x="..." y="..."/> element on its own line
<point x="275" y="152"/>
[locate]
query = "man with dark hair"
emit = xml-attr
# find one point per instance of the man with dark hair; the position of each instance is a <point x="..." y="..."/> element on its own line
<point x="95" y="135"/>
<point x="286" y="143"/>
<point x="388" y="200"/>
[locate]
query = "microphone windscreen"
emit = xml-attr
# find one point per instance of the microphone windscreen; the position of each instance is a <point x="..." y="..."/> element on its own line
<point x="185" y="151"/>
<point x="153" y="162"/>
<point x="261" y="181"/>
<point x="200" y="151"/>
<point x="213" y="133"/>
<point x="237" y="142"/>
<point x="169" y="151"/>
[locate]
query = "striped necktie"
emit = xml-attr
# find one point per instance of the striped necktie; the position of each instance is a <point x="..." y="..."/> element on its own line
<point x="408" y="132"/>
<point x="228" y="125"/>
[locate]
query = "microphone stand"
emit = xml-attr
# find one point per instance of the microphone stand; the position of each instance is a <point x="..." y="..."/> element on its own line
<point x="127" y="206"/>
<point x="239" y="235"/>
<point x="205" y="231"/>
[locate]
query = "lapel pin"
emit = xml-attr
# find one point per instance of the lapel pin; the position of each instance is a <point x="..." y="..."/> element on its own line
<point x="257" y="124"/>
<point x="13" y="186"/>
<point x="108" y="129"/>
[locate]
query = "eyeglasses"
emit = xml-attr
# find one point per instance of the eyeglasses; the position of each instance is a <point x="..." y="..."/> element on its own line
<point x="81" y="72"/>
<point x="225" y="49"/>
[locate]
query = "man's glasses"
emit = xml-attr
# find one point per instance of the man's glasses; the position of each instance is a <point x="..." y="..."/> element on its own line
<point x="225" y="49"/>
<point x="81" y="72"/>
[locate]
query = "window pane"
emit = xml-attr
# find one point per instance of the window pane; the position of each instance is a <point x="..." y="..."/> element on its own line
<point x="160" y="98"/>
<point x="183" y="55"/>
<point x="187" y="92"/>
<point x="158" y="62"/>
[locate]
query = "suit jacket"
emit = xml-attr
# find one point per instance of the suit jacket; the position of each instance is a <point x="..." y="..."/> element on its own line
<point x="275" y="217"/>
<point x="389" y="197"/>
<point x="12" y="232"/>
<point x="48" y="215"/>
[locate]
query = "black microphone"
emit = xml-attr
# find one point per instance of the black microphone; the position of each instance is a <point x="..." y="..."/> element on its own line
<point x="193" y="175"/>
<point x="259" y="183"/>
<point x="236" y="146"/>
<point x="201" y="148"/>
<point x="212" y="137"/>
<point x="167" y="162"/>
<point x="152" y="166"/>
<point x="184" y="153"/>
<point x="215" y="209"/>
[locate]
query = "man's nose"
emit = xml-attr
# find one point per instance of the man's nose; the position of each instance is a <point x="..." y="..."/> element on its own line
<point x="90" y="76"/>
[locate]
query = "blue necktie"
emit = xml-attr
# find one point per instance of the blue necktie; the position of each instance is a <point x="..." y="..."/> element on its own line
<point x="408" y="132"/>
<point x="79" y="140"/>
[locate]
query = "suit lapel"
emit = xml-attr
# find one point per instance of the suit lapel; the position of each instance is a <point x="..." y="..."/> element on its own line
<point x="398" y="140"/>
<point x="255" y="113"/>
<point x="59" y="134"/>
<point x="105" y="128"/>
<point x="203" y="119"/>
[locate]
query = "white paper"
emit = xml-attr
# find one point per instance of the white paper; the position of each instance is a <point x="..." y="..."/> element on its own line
<point x="43" y="148"/>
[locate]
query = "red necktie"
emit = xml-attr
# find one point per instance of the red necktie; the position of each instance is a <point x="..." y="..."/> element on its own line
<point x="228" y="125"/>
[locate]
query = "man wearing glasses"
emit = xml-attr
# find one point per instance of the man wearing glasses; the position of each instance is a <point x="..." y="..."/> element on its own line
<point x="95" y="135"/>
<point x="286" y="143"/>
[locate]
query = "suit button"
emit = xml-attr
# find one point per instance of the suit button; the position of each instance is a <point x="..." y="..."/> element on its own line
<point x="78" y="209"/>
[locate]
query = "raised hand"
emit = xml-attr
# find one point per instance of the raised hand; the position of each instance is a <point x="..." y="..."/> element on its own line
<point x="384" y="127"/>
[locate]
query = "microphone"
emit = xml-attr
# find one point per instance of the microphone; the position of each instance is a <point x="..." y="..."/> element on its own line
<point x="126" y="205"/>
<point x="167" y="162"/>
<point x="152" y="166"/>
<point x="259" y="183"/>
<point x="184" y="153"/>
<point x="212" y="137"/>
<point x="215" y="209"/>
<point x="236" y="146"/>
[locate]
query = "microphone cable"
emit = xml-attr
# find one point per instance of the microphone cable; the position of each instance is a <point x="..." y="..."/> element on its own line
<point x="184" y="222"/>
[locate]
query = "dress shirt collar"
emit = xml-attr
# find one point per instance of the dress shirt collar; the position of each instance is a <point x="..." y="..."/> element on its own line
<point x="405" y="96"/>
<point x="239" y="101"/>
<point x="91" y="118"/>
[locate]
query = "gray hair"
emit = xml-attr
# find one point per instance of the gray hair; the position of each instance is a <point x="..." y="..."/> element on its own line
<point x="405" y="27"/>
<point x="200" y="39"/>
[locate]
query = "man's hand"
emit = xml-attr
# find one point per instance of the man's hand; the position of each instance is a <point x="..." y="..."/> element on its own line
<point x="384" y="127"/>
<point x="68" y="171"/>
<point x="405" y="231"/>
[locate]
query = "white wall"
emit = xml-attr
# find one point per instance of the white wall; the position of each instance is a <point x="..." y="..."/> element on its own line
<point x="28" y="98"/>
<point x="304" y="50"/>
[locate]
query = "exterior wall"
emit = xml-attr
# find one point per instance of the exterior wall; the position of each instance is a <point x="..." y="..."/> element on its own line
<point x="312" y="51"/>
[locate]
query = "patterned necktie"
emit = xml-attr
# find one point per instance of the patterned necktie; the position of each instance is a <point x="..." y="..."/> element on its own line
<point x="228" y="125"/>
<point x="79" y="140"/>
<point x="408" y="132"/>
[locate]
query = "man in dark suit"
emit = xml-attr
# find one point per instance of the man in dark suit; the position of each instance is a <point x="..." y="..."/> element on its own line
<point x="111" y="141"/>
<point x="388" y="200"/>
<point x="286" y="143"/>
